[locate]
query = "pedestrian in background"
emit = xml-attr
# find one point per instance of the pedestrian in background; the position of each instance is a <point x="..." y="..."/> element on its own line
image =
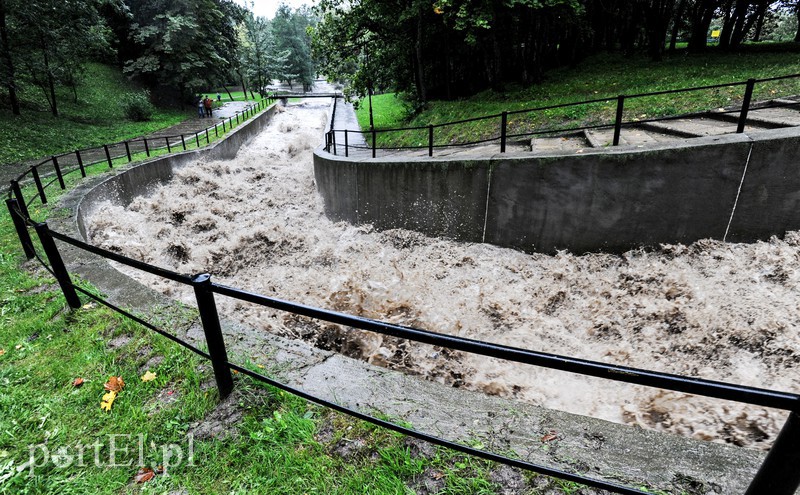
<point x="208" y="102"/>
<point x="201" y="110"/>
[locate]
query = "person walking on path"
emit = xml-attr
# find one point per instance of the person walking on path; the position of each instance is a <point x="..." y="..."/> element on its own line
<point x="208" y="102"/>
<point x="200" y="106"/>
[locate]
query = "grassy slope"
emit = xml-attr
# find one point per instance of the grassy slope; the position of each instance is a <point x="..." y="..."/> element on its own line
<point x="603" y="76"/>
<point x="95" y="119"/>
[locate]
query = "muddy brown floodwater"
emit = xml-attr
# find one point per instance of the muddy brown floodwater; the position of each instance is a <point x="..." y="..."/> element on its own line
<point x="718" y="311"/>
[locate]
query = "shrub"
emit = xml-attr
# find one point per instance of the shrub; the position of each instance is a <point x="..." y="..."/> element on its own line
<point x="137" y="106"/>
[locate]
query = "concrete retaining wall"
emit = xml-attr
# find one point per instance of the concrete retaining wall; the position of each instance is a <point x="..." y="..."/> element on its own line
<point x="606" y="199"/>
<point x="140" y="179"/>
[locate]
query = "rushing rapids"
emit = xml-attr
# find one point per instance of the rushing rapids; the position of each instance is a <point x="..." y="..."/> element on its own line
<point x="719" y="311"/>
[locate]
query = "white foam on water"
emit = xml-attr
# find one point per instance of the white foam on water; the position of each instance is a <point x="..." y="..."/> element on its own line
<point x="719" y="311"/>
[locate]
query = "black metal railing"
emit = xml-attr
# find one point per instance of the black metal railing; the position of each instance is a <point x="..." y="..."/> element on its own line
<point x="616" y="106"/>
<point x="778" y="474"/>
<point x="57" y="167"/>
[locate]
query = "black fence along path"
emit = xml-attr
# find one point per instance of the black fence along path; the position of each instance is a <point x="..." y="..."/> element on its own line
<point x="626" y="128"/>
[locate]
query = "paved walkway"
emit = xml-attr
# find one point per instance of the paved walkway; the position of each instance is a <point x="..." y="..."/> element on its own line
<point x="188" y="127"/>
<point x="765" y="115"/>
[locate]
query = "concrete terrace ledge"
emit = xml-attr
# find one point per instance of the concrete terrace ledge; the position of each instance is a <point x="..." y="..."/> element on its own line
<point x="596" y="448"/>
<point x="608" y="199"/>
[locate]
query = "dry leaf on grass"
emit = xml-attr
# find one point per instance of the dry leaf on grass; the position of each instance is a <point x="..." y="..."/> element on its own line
<point x="114" y="383"/>
<point x="77" y="382"/>
<point x="143" y="475"/>
<point x="148" y="377"/>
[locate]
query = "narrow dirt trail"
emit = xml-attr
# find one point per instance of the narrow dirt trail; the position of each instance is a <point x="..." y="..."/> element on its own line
<point x="718" y="311"/>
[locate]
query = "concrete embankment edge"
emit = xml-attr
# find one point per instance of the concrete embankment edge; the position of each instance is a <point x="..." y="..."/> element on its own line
<point x="593" y="447"/>
<point x="610" y="199"/>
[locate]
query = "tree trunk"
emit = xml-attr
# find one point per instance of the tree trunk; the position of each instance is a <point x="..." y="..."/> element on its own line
<point x="7" y="62"/>
<point x="797" y="14"/>
<point x="422" y="90"/>
<point x="743" y="23"/>
<point x="761" y="13"/>
<point x="676" y="25"/>
<point x="49" y="85"/>
<point x="727" y="24"/>
<point x="657" y="16"/>
<point x="701" y="17"/>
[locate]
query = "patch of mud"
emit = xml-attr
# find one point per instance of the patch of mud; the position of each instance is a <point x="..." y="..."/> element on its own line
<point x="222" y="422"/>
<point x="728" y="312"/>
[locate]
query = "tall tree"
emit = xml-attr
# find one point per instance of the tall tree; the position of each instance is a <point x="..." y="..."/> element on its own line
<point x="290" y="30"/>
<point x="701" y="13"/>
<point x="187" y="45"/>
<point x="54" y="51"/>
<point x="8" y="77"/>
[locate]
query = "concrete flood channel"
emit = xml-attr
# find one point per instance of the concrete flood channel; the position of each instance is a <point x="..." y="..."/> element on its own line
<point x="466" y="398"/>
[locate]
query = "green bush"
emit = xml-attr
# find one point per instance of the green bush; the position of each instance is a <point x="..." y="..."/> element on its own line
<point x="137" y="106"/>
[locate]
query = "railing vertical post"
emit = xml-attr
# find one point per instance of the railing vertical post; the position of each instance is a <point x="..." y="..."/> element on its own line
<point x="430" y="140"/>
<point x="183" y="142"/>
<point x="373" y="142"/>
<point x="778" y="475"/>
<point x="197" y="138"/>
<point x="618" y="119"/>
<point x="60" y="271"/>
<point x="237" y="118"/>
<point x="19" y="224"/>
<point x="333" y="140"/>
<point x="223" y="126"/>
<point x="216" y="343"/>
<point x="207" y="139"/>
<point x="59" y="175"/>
<point x="166" y="140"/>
<point x="748" y="95"/>
<point x="346" y="153"/>
<point x="20" y="199"/>
<point x="503" y="131"/>
<point x="108" y="156"/>
<point x="216" y="130"/>
<point x="128" y="151"/>
<point x="146" y="148"/>
<point x="80" y="162"/>
<point x="38" y="181"/>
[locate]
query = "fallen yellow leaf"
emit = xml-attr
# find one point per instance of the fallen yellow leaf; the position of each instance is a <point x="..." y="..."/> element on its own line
<point x="148" y="377"/>
<point x="2" y="351"/>
<point x="19" y="346"/>
<point x="108" y="400"/>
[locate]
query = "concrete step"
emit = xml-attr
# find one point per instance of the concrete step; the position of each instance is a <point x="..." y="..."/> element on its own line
<point x="691" y="127"/>
<point x="765" y="118"/>
<point x="559" y="144"/>
<point x="629" y="136"/>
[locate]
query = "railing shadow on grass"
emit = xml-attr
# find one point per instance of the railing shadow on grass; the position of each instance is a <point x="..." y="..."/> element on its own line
<point x="777" y="475"/>
<point x="427" y="136"/>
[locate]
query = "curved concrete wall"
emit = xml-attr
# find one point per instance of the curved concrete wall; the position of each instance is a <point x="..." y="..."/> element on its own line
<point x="138" y="180"/>
<point x="606" y="199"/>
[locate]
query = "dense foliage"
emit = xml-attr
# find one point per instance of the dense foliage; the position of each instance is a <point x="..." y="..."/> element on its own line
<point x="175" y="47"/>
<point x="452" y="48"/>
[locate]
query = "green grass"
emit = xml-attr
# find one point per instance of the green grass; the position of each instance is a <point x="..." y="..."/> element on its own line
<point x="95" y="119"/>
<point x="279" y="445"/>
<point x="599" y="77"/>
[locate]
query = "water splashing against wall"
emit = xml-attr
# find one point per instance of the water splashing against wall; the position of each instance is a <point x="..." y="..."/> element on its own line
<point x="718" y="311"/>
